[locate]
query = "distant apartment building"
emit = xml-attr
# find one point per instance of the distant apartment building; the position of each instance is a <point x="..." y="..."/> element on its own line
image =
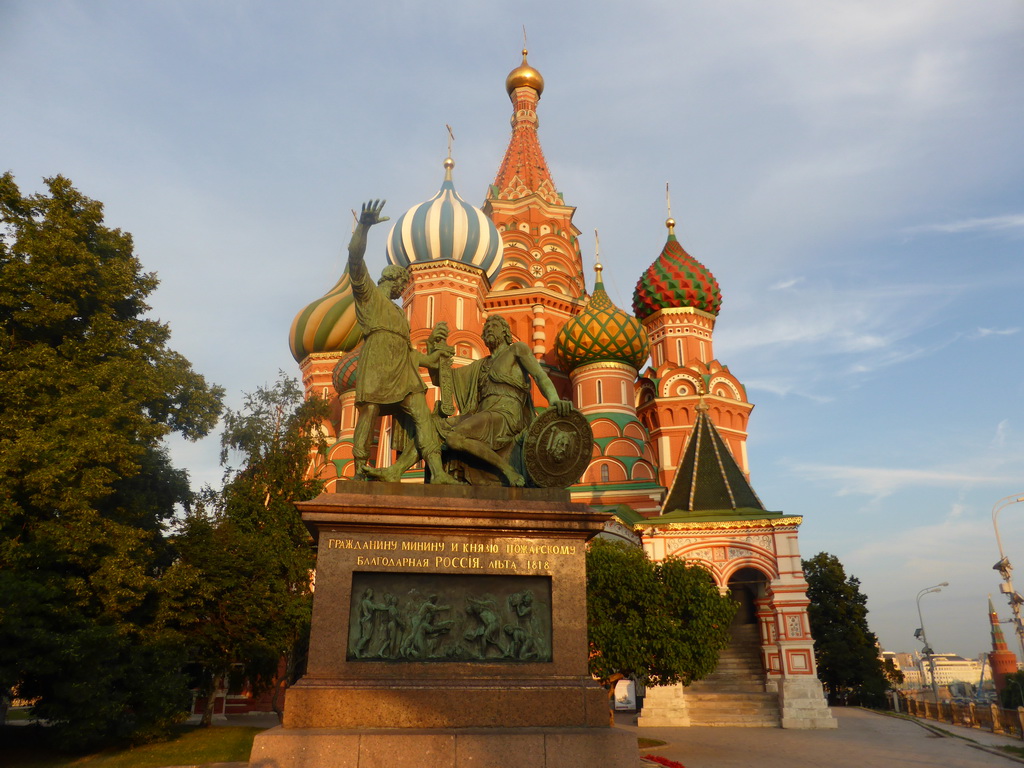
<point x="949" y="668"/>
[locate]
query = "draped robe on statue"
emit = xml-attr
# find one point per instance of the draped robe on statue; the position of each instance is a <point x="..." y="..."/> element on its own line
<point x="496" y="392"/>
<point x="387" y="373"/>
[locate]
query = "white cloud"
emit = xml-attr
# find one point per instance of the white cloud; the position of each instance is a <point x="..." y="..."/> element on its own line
<point x="784" y="387"/>
<point x="784" y="284"/>
<point x="1013" y="221"/>
<point x="982" y="332"/>
<point x="1002" y="431"/>
<point x="879" y="482"/>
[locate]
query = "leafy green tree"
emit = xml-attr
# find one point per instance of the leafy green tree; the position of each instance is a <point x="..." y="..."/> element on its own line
<point x="846" y="650"/>
<point x="241" y="587"/>
<point x="88" y="389"/>
<point x="1012" y="695"/>
<point x="892" y="674"/>
<point x="655" y="623"/>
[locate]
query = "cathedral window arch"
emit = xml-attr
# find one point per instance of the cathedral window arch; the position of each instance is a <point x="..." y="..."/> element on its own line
<point x="604" y="473"/>
<point x="430" y="311"/>
<point x="600" y="391"/>
<point x="459" y="312"/>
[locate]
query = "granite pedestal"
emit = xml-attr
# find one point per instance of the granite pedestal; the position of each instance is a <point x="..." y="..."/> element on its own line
<point x="449" y="629"/>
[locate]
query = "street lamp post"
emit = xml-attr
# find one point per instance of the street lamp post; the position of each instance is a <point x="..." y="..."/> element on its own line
<point x="1005" y="569"/>
<point x="928" y="653"/>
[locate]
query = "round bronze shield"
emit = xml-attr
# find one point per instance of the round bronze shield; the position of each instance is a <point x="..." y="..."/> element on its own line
<point x="557" y="449"/>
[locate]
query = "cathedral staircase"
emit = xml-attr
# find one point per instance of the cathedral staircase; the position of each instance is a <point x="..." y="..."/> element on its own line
<point x="734" y="694"/>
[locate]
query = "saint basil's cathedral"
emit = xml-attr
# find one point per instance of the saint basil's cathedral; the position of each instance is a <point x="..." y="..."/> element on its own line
<point x="669" y="458"/>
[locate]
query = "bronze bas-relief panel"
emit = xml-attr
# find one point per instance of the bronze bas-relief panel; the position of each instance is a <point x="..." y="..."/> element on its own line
<point x="401" y="617"/>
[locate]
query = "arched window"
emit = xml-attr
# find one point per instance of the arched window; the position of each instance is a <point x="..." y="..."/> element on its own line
<point x="604" y="473"/>
<point x="600" y="392"/>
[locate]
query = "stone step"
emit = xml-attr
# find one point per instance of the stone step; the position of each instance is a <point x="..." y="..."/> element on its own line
<point x="735" y="667"/>
<point x="753" y="722"/>
<point x="734" y="694"/>
<point x="734" y="707"/>
<point x="745" y="699"/>
<point x="753" y="709"/>
<point x="752" y="687"/>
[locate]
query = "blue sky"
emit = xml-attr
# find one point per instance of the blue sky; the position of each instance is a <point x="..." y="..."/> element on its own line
<point x="851" y="171"/>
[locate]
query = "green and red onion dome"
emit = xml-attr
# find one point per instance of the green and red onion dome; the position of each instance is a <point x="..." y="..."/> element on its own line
<point x="674" y="280"/>
<point x="601" y="333"/>
<point x="328" y="324"/>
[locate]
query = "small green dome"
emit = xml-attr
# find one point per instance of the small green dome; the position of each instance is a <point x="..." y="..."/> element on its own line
<point x="601" y="332"/>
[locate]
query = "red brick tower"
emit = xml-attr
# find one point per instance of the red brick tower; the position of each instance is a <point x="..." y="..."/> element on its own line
<point x="541" y="283"/>
<point x="1001" y="659"/>
<point x="677" y="299"/>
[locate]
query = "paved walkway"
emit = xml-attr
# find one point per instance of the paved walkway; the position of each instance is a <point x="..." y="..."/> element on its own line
<point x="863" y="740"/>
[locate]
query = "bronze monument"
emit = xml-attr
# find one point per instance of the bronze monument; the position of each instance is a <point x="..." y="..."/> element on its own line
<point x="449" y="620"/>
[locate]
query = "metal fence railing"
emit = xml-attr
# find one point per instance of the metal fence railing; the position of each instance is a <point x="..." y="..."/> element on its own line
<point x="989" y="717"/>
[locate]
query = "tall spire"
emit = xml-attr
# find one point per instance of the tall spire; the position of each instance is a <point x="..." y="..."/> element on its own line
<point x="523" y="170"/>
<point x="998" y="641"/>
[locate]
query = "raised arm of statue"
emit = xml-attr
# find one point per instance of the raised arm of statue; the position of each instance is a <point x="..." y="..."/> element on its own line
<point x="368" y="216"/>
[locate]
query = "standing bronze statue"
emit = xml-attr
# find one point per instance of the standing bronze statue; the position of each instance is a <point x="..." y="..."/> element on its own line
<point x="387" y="375"/>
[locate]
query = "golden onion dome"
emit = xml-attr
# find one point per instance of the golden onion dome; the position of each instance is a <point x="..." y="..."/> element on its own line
<point x="524" y="74"/>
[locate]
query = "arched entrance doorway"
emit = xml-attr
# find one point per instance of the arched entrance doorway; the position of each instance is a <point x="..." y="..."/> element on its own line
<point x="747" y="586"/>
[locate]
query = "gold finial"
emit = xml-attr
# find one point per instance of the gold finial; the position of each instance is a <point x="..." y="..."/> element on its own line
<point x="448" y="162"/>
<point x="597" y="258"/>
<point x="701" y="405"/>
<point x="669" y="222"/>
<point x="524" y="74"/>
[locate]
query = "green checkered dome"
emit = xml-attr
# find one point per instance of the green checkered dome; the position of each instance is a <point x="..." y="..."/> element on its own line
<point x="601" y="332"/>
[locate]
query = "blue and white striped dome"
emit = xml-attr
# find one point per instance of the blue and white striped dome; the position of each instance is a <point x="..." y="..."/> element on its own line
<point x="446" y="227"/>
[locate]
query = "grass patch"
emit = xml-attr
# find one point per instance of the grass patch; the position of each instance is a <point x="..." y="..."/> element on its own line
<point x="642" y="743"/>
<point x="1018" y="751"/>
<point x="18" y="714"/>
<point x="25" y="747"/>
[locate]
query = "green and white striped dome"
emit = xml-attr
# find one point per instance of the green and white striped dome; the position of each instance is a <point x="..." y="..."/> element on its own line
<point x="446" y="227"/>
